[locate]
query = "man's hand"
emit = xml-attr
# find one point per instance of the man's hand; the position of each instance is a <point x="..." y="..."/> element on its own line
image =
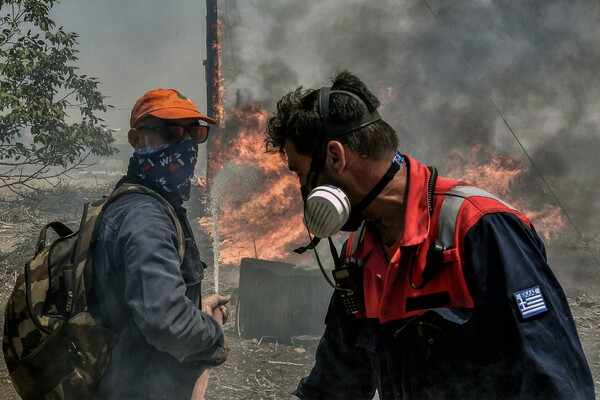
<point x="214" y="305"/>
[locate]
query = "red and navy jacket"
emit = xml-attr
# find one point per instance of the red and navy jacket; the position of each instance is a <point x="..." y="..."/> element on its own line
<point x="393" y="284"/>
<point x="493" y="322"/>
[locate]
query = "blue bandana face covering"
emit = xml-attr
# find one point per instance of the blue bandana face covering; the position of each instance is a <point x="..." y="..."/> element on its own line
<point x="170" y="166"/>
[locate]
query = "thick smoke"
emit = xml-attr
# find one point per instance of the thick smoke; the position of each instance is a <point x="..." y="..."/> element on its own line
<point x="135" y="47"/>
<point x="441" y="70"/>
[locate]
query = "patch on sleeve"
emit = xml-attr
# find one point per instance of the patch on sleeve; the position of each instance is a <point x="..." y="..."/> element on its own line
<point x="530" y="302"/>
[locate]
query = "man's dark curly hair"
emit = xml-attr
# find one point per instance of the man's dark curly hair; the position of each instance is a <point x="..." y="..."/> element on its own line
<point x="298" y="119"/>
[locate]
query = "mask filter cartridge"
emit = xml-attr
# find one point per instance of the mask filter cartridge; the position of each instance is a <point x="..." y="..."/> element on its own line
<point x="326" y="210"/>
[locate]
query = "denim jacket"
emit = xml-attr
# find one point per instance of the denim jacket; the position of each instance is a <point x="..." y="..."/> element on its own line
<point x="165" y="340"/>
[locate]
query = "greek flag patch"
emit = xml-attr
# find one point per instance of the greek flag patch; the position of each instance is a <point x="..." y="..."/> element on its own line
<point x="530" y="302"/>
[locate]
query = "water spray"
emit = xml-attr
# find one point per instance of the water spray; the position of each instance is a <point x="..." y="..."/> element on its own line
<point x="214" y="205"/>
<point x="233" y="182"/>
<point x="214" y="209"/>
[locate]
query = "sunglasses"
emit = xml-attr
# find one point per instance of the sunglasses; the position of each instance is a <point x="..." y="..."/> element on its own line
<point x="174" y="132"/>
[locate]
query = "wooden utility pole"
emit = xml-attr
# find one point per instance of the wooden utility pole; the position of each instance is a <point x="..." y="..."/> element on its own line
<point x="212" y="74"/>
<point x="212" y="65"/>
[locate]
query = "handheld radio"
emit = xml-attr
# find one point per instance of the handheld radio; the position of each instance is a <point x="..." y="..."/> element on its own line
<point x="348" y="281"/>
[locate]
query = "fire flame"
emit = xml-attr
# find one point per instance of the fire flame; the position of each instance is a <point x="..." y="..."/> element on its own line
<point x="257" y="199"/>
<point x="500" y="175"/>
<point x="253" y="201"/>
<point x="259" y="208"/>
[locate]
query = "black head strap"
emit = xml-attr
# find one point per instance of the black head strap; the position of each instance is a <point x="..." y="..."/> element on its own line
<point x="331" y="130"/>
<point x="389" y="175"/>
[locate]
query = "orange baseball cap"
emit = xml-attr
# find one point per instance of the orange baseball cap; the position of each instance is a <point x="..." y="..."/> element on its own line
<point x="165" y="104"/>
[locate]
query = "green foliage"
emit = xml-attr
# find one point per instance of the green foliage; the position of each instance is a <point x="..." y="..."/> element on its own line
<point x="39" y="88"/>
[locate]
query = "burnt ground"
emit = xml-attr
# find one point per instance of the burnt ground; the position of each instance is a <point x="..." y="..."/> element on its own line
<point x="257" y="368"/>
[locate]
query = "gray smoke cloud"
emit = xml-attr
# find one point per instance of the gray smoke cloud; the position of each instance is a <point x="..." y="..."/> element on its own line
<point x="134" y="47"/>
<point x="441" y="69"/>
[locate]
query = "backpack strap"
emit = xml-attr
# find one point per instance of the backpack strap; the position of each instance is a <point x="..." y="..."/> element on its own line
<point x="61" y="230"/>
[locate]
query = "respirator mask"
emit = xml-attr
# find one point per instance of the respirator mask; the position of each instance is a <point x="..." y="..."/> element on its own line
<point x="327" y="209"/>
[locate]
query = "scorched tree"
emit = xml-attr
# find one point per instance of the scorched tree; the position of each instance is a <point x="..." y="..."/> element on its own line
<point x="48" y="112"/>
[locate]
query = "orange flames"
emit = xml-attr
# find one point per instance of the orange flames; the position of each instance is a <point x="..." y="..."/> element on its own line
<point x="257" y="199"/>
<point x="259" y="209"/>
<point x="253" y="202"/>
<point x="500" y="175"/>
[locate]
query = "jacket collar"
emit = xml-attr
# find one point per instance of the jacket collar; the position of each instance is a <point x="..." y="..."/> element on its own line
<point x="416" y="218"/>
<point x="175" y="201"/>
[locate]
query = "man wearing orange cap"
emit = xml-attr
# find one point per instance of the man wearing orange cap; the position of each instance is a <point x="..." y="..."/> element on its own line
<point x="167" y="333"/>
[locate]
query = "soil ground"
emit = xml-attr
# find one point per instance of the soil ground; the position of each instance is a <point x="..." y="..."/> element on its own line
<point x="257" y="368"/>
